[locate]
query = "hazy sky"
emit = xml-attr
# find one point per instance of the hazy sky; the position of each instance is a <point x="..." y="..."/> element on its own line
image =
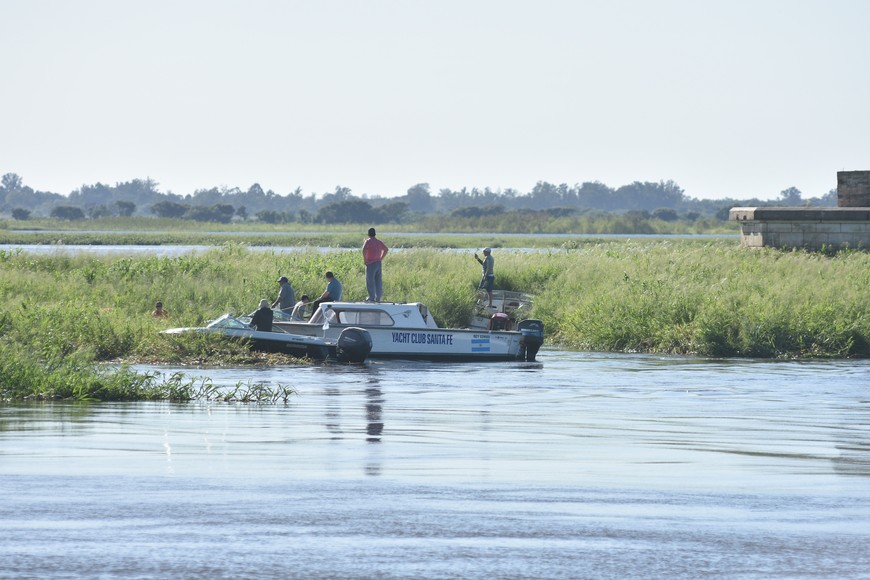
<point x="731" y="98"/>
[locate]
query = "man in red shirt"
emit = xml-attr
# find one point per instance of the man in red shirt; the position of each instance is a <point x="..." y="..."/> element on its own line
<point x="373" y="251"/>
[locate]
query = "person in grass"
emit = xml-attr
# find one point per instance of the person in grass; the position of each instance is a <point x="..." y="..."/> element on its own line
<point x="159" y="311"/>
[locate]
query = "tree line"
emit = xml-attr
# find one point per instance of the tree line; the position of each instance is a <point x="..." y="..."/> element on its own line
<point x="663" y="200"/>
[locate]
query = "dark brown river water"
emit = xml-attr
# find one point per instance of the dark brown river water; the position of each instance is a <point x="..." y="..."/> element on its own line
<point x="582" y="466"/>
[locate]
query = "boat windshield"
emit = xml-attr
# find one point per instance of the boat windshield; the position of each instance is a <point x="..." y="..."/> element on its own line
<point x="281" y="316"/>
<point x="227" y="321"/>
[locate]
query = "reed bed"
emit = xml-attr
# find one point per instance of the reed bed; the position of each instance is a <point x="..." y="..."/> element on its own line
<point x="63" y="314"/>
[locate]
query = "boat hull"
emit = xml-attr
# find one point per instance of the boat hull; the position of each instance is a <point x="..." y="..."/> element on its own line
<point x="427" y="343"/>
<point x="407" y="330"/>
<point x="349" y="345"/>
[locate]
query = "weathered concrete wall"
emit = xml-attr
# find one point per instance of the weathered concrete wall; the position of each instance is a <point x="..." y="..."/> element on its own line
<point x="813" y="229"/>
<point x="844" y="226"/>
<point x="853" y="188"/>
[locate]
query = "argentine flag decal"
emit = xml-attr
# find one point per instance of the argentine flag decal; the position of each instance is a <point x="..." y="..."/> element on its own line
<point x="480" y="344"/>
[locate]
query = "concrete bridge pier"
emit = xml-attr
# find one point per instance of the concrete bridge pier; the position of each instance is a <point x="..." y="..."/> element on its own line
<point x="832" y="228"/>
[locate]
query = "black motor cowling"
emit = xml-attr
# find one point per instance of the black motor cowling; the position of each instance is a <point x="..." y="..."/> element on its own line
<point x="533" y="338"/>
<point x="354" y="345"/>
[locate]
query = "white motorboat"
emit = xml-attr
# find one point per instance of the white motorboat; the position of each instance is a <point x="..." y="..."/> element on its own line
<point x="408" y="330"/>
<point x="349" y="345"/>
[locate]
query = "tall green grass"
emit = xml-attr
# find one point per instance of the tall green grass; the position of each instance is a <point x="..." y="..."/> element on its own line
<point x="711" y="299"/>
<point x="60" y="313"/>
<point x="23" y="378"/>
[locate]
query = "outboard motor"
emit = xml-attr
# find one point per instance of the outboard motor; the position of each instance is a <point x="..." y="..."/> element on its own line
<point x="533" y="338"/>
<point x="354" y="345"/>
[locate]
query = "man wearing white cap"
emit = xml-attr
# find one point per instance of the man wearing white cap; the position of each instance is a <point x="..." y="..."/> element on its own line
<point x="487" y="281"/>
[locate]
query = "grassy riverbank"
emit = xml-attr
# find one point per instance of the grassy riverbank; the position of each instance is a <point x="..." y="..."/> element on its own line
<point x="323" y="239"/>
<point x="62" y="314"/>
<point x="441" y="232"/>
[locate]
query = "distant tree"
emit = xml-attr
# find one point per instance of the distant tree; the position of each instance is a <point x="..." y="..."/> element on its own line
<point x="559" y="212"/>
<point x="11" y="182"/>
<point x="221" y="213"/>
<point x="594" y="195"/>
<point x="21" y="214"/>
<point x="638" y="215"/>
<point x="831" y="198"/>
<point x="225" y="211"/>
<point x="351" y="211"/>
<point x="242" y="212"/>
<point x="208" y="196"/>
<point x="38" y="201"/>
<point x="169" y="209"/>
<point x="340" y="194"/>
<point x="647" y="196"/>
<point x="125" y="208"/>
<point x="269" y="216"/>
<point x="93" y="195"/>
<point x="305" y="216"/>
<point x="476" y="212"/>
<point x="394" y="212"/>
<point x="546" y="195"/>
<point x="420" y="199"/>
<point x="665" y="214"/>
<point x="468" y="212"/>
<point x="790" y="196"/>
<point x="67" y="212"/>
<point x="142" y="190"/>
<point x="99" y="211"/>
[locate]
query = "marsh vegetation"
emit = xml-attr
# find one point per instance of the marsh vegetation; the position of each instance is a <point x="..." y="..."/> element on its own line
<point x="64" y="316"/>
<point x="516" y="229"/>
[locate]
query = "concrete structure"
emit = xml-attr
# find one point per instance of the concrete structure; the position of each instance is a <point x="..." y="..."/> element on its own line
<point x="818" y="228"/>
<point x="853" y="189"/>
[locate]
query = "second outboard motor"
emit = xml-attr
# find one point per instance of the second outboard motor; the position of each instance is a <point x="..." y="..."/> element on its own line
<point x="354" y="345"/>
<point x="533" y="338"/>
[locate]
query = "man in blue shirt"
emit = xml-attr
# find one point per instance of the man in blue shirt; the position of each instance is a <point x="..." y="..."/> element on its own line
<point x="332" y="292"/>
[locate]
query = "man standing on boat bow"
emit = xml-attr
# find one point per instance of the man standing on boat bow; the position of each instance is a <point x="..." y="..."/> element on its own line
<point x="373" y="251"/>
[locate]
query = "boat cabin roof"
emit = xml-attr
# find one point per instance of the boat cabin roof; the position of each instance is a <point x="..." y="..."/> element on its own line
<point x="373" y="314"/>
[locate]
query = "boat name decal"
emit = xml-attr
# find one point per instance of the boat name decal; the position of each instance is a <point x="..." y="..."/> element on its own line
<point x="422" y="338"/>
